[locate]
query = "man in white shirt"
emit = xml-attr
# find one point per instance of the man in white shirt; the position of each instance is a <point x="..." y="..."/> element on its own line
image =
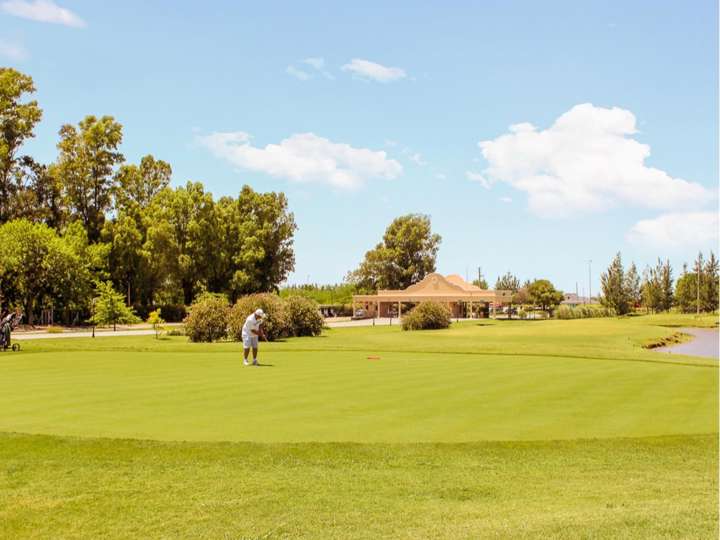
<point x="251" y="331"/>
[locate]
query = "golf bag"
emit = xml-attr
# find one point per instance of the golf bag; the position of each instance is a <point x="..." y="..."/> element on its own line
<point x="7" y="325"/>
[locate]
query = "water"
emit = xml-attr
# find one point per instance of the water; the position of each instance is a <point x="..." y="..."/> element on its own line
<point x="706" y="343"/>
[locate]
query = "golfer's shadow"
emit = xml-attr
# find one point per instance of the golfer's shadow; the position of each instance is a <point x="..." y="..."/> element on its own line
<point x="263" y="365"/>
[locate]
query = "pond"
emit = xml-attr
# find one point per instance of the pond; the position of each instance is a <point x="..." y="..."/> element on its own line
<point x="706" y="343"/>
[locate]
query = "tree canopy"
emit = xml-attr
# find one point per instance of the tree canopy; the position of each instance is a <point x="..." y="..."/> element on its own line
<point x="407" y="253"/>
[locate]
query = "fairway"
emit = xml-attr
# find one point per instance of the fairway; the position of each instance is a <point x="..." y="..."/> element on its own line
<point x="493" y="428"/>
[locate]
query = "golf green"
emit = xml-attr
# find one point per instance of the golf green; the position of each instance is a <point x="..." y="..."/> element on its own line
<point x="501" y="381"/>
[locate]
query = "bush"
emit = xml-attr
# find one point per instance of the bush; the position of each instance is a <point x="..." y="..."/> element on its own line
<point x="173" y="312"/>
<point x="277" y="323"/>
<point x="208" y="318"/>
<point x="427" y="316"/>
<point x="583" y="312"/>
<point x="304" y="316"/>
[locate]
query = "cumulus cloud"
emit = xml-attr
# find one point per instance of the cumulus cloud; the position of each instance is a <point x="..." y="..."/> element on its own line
<point x="12" y="51"/>
<point x="42" y="11"/>
<point x="297" y="73"/>
<point x="677" y="230"/>
<point x="304" y="157"/>
<point x="507" y="200"/>
<point x="373" y="71"/>
<point x="587" y="161"/>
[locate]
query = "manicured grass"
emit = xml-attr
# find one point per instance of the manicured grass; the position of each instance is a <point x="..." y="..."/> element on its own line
<point x="618" y="488"/>
<point x="503" y="381"/>
<point x="560" y="429"/>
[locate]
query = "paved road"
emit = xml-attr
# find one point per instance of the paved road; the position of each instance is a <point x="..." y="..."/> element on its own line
<point x="20" y="336"/>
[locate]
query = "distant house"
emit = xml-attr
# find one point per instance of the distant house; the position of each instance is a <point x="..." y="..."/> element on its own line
<point x="462" y="298"/>
<point x="573" y="300"/>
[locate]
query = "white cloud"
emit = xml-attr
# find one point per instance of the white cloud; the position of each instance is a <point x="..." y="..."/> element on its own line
<point x="479" y="178"/>
<point x="417" y="159"/>
<point x="587" y="161"/>
<point x="316" y="62"/>
<point x="12" y="51"/>
<point x="677" y="230"/>
<point x="441" y="176"/>
<point x="305" y="157"/>
<point x="506" y="199"/>
<point x="297" y="73"/>
<point x="376" y="72"/>
<point x="42" y="11"/>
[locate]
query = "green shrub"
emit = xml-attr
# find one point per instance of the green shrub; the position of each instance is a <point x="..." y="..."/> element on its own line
<point x="304" y="316"/>
<point x="277" y="323"/>
<point x="427" y="316"/>
<point x="176" y="331"/>
<point x="173" y="312"/>
<point x="208" y="318"/>
<point x="55" y="330"/>
<point x="583" y="312"/>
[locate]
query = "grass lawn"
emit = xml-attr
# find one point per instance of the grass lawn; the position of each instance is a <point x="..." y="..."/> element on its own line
<point x="495" y="429"/>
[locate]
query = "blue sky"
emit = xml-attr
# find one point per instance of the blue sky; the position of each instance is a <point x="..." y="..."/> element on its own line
<point x="363" y="112"/>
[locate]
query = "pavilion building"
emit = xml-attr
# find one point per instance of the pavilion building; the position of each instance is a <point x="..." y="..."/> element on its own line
<point x="462" y="298"/>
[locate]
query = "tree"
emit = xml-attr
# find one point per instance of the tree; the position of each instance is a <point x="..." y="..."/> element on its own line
<point x="651" y="292"/>
<point x="405" y="256"/>
<point x="88" y="156"/>
<point x="137" y="185"/>
<point x="543" y="293"/>
<point x="686" y="292"/>
<point x="632" y="287"/>
<point x="39" y="269"/>
<point x="156" y="321"/>
<point x="17" y="124"/>
<point x="38" y="194"/>
<point x="693" y="294"/>
<point x="109" y="307"/>
<point x="508" y="282"/>
<point x="666" y="285"/>
<point x="255" y="233"/>
<point x="711" y="284"/>
<point x="615" y="288"/>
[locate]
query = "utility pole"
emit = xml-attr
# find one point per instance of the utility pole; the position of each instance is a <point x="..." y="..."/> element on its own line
<point x="589" y="281"/>
<point x="699" y="273"/>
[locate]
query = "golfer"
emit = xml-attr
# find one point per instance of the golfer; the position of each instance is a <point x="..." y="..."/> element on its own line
<point x="251" y="332"/>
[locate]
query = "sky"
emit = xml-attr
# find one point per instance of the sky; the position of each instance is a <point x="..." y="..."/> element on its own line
<point x="538" y="136"/>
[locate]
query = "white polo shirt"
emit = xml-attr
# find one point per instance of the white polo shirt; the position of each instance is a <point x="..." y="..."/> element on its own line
<point x="251" y="324"/>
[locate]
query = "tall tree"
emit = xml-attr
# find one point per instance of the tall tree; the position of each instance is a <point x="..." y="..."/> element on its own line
<point x="632" y="286"/>
<point x="666" y="284"/>
<point x="711" y="284"/>
<point x="137" y="185"/>
<point x="614" y="287"/>
<point x="256" y="233"/>
<point x="405" y="256"/>
<point x="651" y="293"/>
<point x="508" y="282"/>
<point x="17" y="123"/>
<point x="87" y="160"/>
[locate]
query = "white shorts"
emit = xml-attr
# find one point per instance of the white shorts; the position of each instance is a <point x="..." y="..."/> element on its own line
<point x="250" y="342"/>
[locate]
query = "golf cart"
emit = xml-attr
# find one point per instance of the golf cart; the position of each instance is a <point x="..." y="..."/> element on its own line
<point x="7" y="324"/>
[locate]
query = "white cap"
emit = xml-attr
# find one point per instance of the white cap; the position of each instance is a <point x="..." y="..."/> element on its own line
<point x="259" y="313"/>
